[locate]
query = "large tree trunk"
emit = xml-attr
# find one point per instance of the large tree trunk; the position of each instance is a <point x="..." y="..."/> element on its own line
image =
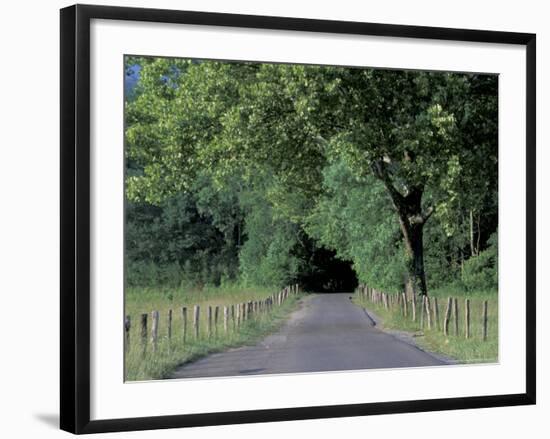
<point x="413" y="238"/>
<point x="411" y="219"/>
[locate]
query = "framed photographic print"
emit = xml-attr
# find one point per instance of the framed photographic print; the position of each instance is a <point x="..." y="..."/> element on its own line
<point x="286" y="218"/>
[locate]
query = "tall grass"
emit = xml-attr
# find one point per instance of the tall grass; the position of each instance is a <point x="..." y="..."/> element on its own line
<point x="143" y="363"/>
<point x="456" y="346"/>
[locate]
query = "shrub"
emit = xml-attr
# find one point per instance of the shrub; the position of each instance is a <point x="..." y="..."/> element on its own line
<point x="481" y="272"/>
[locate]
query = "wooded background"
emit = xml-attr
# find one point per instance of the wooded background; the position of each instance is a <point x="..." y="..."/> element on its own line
<point x="269" y="174"/>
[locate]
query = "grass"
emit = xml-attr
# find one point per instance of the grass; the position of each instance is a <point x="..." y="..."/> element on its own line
<point x="457" y="347"/>
<point x="144" y="364"/>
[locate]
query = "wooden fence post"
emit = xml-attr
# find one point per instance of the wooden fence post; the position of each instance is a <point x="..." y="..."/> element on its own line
<point x="467" y="318"/>
<point x="196" y="317"/>
<point x="436" y="314"/>
<point x="184" y="322"/>
<point x="447" y="316"/>
<point x="225" y="318"/>
<point x="455" y="309"/>
<point x="404" y="303"/>
<point x="209" y="321"/>
<point x="127" y="326"/>
<point x="484" y="318"/>
<point x="413" y="308"/>
<point x="428" y="311"/>
<point x="216" y="318"/>
<point x="169" y="324"/>
<point x="154" y="329"/>
<point x="144" y="330"/>
<point x="422" y="307"/>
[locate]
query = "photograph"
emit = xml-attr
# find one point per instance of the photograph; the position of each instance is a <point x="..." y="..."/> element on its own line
<point x="286" y="218"/>
<point x="275" y="219"/>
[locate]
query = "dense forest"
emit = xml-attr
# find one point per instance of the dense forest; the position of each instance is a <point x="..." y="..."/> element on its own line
<point x="270" y="174"/>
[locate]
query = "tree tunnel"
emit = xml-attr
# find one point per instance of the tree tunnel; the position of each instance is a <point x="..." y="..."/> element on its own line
<point x="328" y="274"/>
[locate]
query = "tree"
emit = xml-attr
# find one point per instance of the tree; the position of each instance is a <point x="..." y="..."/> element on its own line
<point x="422" y="135"/>
<point x="398" y="125"/>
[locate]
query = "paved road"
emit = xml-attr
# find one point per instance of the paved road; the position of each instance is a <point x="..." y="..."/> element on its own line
<point x="327" y="333"/>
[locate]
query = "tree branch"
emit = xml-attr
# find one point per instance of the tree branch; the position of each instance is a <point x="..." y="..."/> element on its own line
<point x="428" y="213"/>
<point x="379" y="168"/>
<point x="421" y="218"/>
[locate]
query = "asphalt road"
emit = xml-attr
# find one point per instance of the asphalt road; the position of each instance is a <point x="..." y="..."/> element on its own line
<point x="327" y="333"/>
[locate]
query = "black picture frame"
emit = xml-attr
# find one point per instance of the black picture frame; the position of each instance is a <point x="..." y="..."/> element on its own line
<point x="75" y="217"/>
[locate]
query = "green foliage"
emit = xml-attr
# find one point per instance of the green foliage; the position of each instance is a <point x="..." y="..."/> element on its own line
<point x="241" y="172"/>
<point x="267" y="256"/>
<point x="481" y="272"/>
<point x="188" y="238"/>
<point x="354" y="219"/>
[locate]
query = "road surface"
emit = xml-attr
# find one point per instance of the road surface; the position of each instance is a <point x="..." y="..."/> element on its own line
<point x="327" y="333"/>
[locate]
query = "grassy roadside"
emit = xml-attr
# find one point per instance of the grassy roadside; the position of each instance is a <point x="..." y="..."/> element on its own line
<point x="144" y="364"/>
<point x="456" y="346"/>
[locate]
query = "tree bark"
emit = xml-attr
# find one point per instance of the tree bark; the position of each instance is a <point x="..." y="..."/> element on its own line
<point x="411" y="220"/>
<point x="413" y="236"/>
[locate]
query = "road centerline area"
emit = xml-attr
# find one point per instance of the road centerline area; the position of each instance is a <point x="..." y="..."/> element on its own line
<point x="327" y="333"/>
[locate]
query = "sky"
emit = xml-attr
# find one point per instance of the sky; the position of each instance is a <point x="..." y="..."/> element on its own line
<point x="131" y="77"/>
